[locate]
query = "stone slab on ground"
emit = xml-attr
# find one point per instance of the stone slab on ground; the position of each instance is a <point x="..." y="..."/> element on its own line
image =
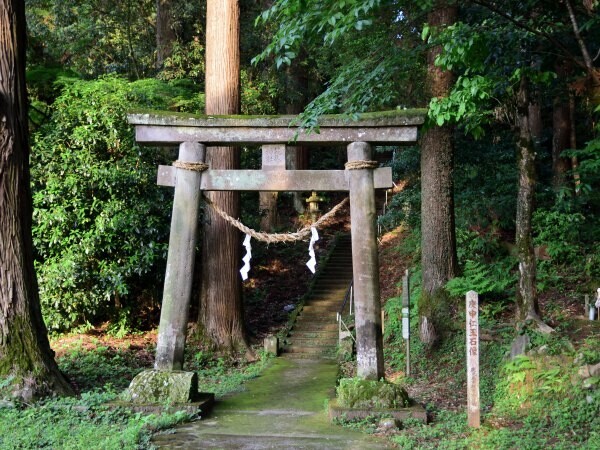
<point x="162" y="387"/>
<point x="412" y="412"/>
<point x="284" y="408"/>
<point x="203" y="405"/>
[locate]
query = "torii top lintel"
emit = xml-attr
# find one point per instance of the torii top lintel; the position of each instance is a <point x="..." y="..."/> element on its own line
<point x="169" y="128"/>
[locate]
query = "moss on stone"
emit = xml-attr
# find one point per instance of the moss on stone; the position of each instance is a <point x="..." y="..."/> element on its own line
<point x="155" y="386"/>
<point x="396" y="117"/>
<point x="358" y="393"/>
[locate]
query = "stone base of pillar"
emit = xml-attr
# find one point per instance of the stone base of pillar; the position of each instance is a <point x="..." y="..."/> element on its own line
<point x="163" y="388"/>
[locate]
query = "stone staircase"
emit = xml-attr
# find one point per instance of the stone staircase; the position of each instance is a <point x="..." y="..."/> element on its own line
<point x="315" y="332"/>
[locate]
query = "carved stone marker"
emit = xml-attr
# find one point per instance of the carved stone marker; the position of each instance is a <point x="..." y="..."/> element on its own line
<point x="473" y="407"/>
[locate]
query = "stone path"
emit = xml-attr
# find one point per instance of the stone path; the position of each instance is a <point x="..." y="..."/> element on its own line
<point x="315" y="333"/>
<point x="284" y="408"/>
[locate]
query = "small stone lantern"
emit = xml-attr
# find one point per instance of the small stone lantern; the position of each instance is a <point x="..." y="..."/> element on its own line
<point x="313" y="206"/>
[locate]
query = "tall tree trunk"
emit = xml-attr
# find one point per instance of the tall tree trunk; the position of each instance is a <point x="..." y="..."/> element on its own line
<point x="527" y="303"/>
<point x="296" y="81"/>
<point x="165" y="33"/>
<point x="561" y="137"/>
<point x="268" y="211"/>
<point x="25" y="352"/>
<point x="561" y="134"/>
<point x="573" y="143"/>
<point x="438" y="245"/>
<point x="221" y="308"/>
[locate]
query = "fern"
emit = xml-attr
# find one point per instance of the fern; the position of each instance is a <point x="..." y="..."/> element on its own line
<point x="483" y="278"/>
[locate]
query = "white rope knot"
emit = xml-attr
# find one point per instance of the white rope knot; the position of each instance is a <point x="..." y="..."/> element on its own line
<point x="361" y="164"/>
<point x="195" y="166"/>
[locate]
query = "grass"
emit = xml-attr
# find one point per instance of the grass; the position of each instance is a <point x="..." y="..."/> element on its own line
<point x="533" y="402"/>
<point x="100" y="369"/>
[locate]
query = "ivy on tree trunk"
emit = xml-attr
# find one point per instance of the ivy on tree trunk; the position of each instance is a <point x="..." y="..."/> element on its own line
<point x="527" y="304"/>
<point x="438" y="241"/>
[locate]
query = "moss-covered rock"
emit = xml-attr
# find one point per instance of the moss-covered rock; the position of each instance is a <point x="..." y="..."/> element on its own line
<point x="162" y="387"/>
<point x="358" y="393"/>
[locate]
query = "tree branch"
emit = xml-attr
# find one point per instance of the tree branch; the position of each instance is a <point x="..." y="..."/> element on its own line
<point x="532" y="30"/>
<point x="589" y="64"/>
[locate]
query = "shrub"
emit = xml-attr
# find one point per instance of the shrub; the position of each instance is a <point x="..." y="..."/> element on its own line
<point x="100" y="222"/>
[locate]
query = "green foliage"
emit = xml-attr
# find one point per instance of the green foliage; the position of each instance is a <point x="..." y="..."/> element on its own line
<point x="99" y="367"/>
<point x="449" y="428"/>
<point x="559" y="232"/>
<point x="100" y="221"/>
<point x="464" y="104"/>
<point x="359" y="393"/>
<point x="305" y="20"/>
<point x="222" y="375"/>
<point x="365" y="70"/>
<point x="84" y="423"/>
<point x="185" y="62"/>
<point x="93" y="38"/>
<point x="404" y="206"/>
<point x="483" y="278"/>
<point x="367" y="425"/>
<point x="259" y="94"/>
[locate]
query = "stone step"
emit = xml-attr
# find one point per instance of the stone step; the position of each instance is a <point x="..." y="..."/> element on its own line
<point x="337" y="267"/>
<point x="313" y="335"/>
<point x="315" y="332"/>
<point x="308" y="356"/>
<point x="325" y="292"/>
<point x="336" y="280"/>
<point x="316" y="351"/>
<point x="316" y="320"/>
<point x="314" y="326"/>
<point x="312" y="342"/>
<point x="322" y="307"/>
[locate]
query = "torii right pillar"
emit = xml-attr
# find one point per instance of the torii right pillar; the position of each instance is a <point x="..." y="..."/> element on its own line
<point x="365" y="264"/>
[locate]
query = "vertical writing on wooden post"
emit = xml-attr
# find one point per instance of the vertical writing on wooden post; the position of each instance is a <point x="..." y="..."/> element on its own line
<point x="473" y="408"/>
<point x="406" y="317"/>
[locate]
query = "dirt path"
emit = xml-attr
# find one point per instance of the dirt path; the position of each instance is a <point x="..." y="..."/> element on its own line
<point x="283" y="408"/>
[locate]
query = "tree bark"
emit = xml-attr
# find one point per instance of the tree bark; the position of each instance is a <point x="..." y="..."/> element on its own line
<point x="221" y="308"/>
<point x="25" y="353"/>
<point x="561" y="134"/>
<point x="527" y="304"/>
<point x="296" y="87"/>
<point x="165" y="32"/>
<point x="438" y="241"/>
<point x="573" y="144"/>
<point x="268" y="211"/>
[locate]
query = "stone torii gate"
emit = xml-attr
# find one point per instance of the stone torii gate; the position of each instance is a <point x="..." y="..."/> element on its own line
<point x="193" y="133"/>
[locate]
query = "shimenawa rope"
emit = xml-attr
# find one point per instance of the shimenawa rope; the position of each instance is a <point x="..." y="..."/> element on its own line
<point x="271" y="238"/>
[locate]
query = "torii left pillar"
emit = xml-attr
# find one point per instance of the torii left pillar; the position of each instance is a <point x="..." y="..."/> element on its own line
<point x="180" y="261"/>
<point x="168" y="383"/>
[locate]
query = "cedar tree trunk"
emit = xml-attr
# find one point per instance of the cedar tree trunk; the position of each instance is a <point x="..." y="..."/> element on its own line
<point x="165" y="33"/>
<point x="527" y="305"/>
<point x="221" y="308"/>
<point x="561" y="132"/>
<point x="25" y="354"/>
<point x="438" y="245"/>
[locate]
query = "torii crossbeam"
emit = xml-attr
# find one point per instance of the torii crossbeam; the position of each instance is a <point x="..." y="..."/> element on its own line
<point x="194" y="133"/>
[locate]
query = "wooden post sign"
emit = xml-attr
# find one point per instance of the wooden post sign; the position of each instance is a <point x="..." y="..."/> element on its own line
<point x="406" y="317"/>
<point x="473" y="407"/>
<point x="361" y="178"/>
